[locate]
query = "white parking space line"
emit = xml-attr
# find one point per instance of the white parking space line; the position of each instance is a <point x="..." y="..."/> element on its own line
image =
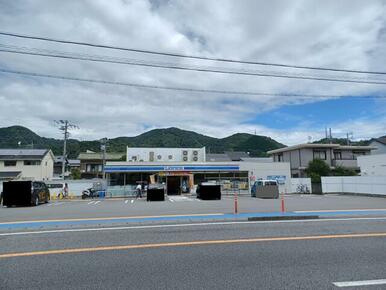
<point x="58" y="203"/>
<point x="97" y="202"/>
<point x="179" y="198"/>
<point x="132" y="201"/>
<point x="360" y="283"/>
<point x="91" y="202"/>
<point x="126" y="201"/>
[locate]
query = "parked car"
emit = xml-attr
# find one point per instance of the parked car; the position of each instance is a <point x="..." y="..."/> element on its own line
<point x="265" y="189"/>
<point x="25" y="193"/>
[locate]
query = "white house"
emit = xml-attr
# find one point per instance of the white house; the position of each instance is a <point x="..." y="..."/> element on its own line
<point x="379" y="144"/>
<point x="27" y="164"/>
<point x="372" y="165"/>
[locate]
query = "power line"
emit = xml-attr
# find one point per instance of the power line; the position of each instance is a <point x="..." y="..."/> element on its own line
<point x="153" y="52"/>
<point x="208" y="70"/>
<point x="143" y="86"/>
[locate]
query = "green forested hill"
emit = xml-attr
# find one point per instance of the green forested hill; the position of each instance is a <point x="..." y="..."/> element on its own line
<point x="170" y="137"/>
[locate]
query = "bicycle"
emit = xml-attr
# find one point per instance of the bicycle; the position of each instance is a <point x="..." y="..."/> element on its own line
<point x="302" y="189"/>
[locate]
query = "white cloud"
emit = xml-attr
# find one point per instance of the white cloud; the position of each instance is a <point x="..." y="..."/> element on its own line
<point x="344" y="34"/>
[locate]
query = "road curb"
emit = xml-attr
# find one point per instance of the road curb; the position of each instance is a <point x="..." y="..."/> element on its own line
<point x="278" y="218"/>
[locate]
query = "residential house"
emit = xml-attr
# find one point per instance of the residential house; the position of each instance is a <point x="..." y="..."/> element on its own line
<point x="379" y="144"/>
<point x="91" y="163"/>
<point x="26" y="164"/>
<point x="333" y="154"/>
<point x="69" y="163"/>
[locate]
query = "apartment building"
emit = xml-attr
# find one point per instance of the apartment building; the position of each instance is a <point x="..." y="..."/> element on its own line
<point x="333" y="154"/>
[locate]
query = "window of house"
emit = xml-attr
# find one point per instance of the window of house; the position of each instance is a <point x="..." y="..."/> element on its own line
<point x="320" y="154"/>
<point x="31" y="162"/>
<point x="9" y="163"/>
<point x="280" y="157"/>
<point x="337" y="155"/>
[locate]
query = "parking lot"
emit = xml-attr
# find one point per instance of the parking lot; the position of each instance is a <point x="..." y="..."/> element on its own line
<point x="186" y="205"/>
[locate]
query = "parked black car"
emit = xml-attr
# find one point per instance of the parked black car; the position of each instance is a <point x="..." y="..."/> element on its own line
<point x="25" y="193"/>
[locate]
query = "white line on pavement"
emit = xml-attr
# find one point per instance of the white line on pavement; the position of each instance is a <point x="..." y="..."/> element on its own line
<point x="184" y="225"/>
<point x="97" y="202"/>
<point x="58" y="203"/>
<point x="50" y="204"/>
<point x="344" y="210"/>
<point x="360" y="283"/>
<point x="91" y="202"/>
<point x="132" y="201"/>
<point x="126" y="201"/>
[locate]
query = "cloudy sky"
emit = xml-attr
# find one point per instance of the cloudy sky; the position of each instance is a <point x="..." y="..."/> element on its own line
<point x="334" y="34"/>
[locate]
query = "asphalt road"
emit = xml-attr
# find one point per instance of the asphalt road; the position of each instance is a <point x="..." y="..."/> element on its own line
<point x="256" y="255"/>
<point x="179" y="205"/>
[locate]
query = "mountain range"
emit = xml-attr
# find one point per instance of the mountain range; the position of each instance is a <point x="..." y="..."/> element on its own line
<point x="11" y="137"/>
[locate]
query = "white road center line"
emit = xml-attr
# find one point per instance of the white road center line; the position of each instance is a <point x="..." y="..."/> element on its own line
<point x="360" y="283"/>
<point x="101" y="229"/>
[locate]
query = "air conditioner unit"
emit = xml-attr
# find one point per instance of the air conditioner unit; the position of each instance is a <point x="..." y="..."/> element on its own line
<point x="185" y="158"/>
<point x="195" y="158"/>
<point x="185" y="152"/>
<point x="195" y="152"/>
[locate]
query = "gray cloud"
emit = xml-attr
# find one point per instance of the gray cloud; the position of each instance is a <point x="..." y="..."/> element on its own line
<point x="344" y="34"/>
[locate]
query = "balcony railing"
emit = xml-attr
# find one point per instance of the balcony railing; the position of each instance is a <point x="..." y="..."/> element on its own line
<point x="348" y="163"/>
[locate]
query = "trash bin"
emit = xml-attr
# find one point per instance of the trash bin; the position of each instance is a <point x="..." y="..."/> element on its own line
<point x="208" y="191"/>
<point x="155" y="193"/>
<point x="102" y="193"/>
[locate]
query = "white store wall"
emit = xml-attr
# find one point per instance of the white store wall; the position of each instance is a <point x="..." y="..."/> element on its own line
<point x="163" y="154"/>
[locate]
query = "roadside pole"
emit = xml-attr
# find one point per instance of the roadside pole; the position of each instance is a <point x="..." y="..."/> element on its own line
<point x="282" y="202"/>
<point x="235" y="199"/>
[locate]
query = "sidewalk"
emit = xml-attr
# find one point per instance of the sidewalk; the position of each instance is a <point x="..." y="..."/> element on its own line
<point x="189" y="217"/>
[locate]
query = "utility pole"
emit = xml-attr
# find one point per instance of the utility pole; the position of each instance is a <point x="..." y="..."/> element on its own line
<point x="64" y="126"/>
<point x="330" y="136"/>
<point x="349" y="134"/>
<point x="103" y="149"/>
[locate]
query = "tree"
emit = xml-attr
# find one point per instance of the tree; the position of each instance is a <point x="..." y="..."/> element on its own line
<point x="316" y="169"/>
<point x="75" y="173"/>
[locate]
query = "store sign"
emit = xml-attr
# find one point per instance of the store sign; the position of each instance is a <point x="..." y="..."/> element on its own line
<point x="173" y="168"/>
<point x="279" y="178"/>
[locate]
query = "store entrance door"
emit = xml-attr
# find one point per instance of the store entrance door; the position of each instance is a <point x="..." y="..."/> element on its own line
<point x="173" y="185"/>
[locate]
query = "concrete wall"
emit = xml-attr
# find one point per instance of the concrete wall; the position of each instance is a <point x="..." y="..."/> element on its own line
<point x="75" y="187"/>
<point x="295" y="182"/>
<point x="162" y="154"/>
<point x="375" y="185"/>
<point x="372" y="165"/>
